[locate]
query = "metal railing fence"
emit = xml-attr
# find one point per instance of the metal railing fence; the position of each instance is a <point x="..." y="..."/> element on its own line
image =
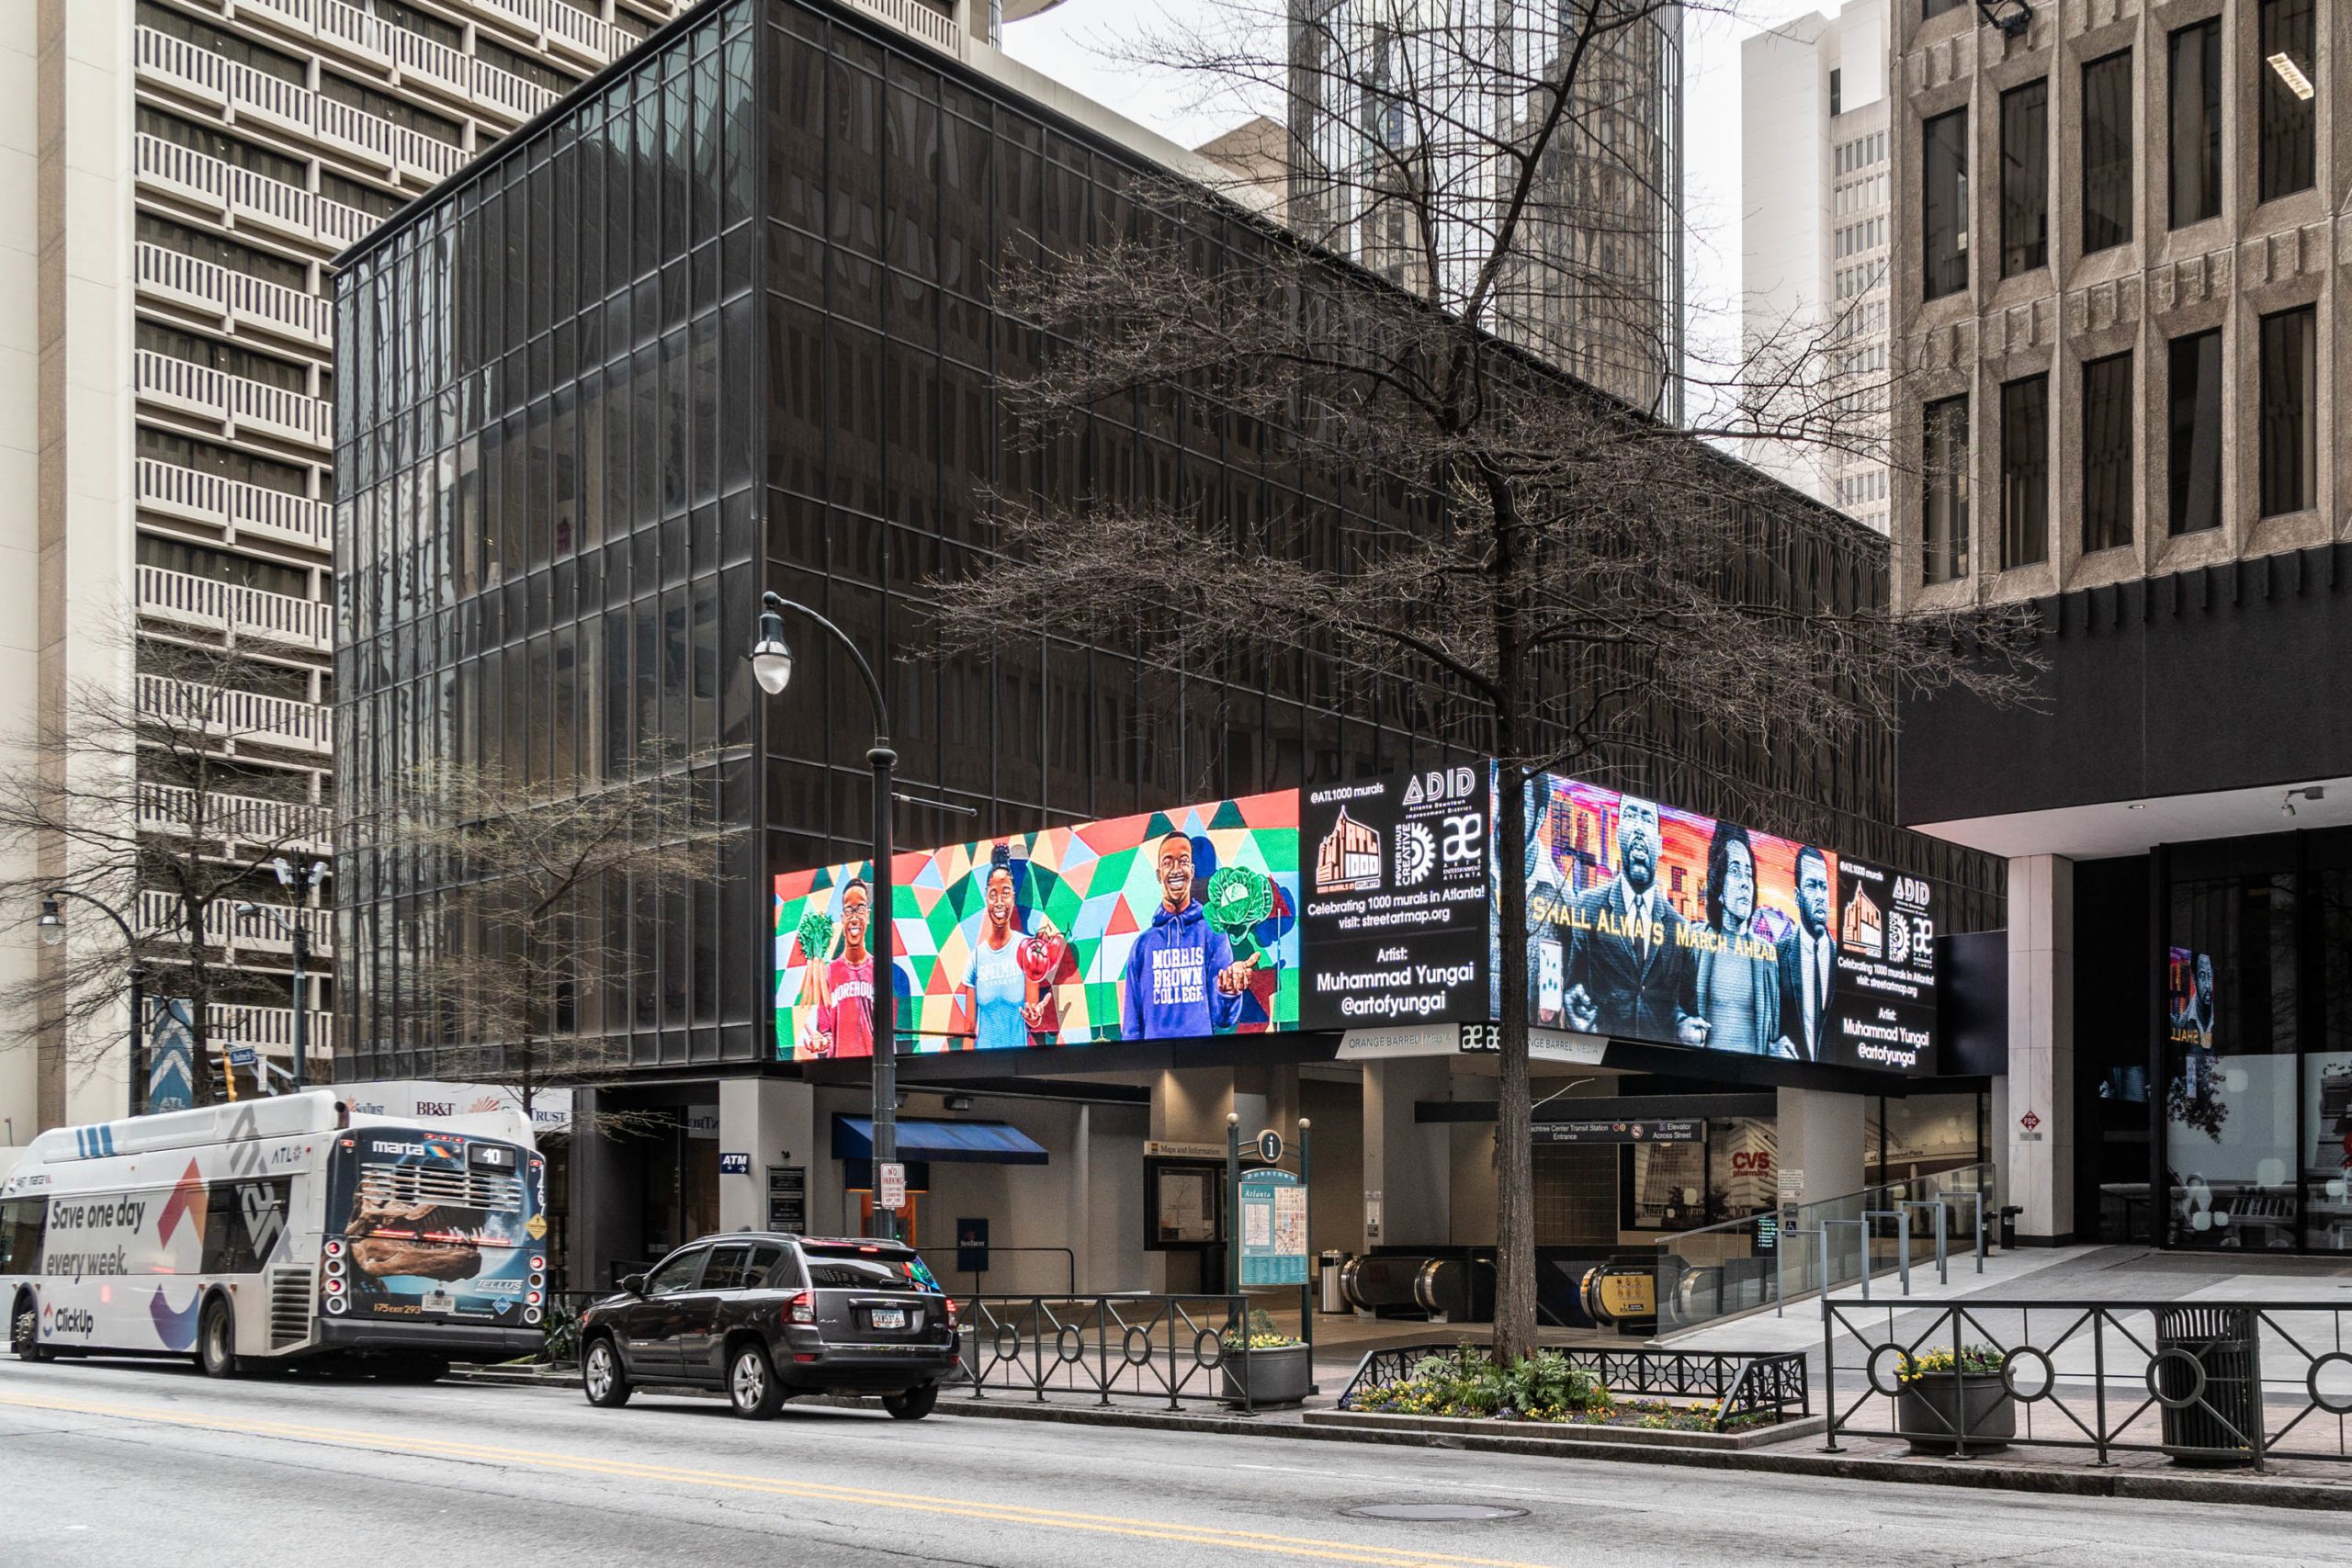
<point x="1159" y="1347"/>
<point x="1744" y="1383"/>
<point x="2208" y="1382"/>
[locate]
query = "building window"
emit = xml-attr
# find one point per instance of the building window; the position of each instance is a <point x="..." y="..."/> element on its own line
<point x="2025" y="179"/>
<point x="1837" y="93"/>
<point x="1943" y="512"/>
<point x="2107" y="453"/>
<point x="2107" y="152"/>
<point x="2289" y="412"/>
<point x="2287" y="90"/>
<point x="1930" y="10"/>
<point x="2196" y="128"/>
<point x="2194" y="426"/>
<point x="1944" y="204"/>
<point x="2025" y="471"/>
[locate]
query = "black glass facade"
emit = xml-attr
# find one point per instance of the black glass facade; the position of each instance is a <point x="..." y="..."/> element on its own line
<point x="722" y="322"/>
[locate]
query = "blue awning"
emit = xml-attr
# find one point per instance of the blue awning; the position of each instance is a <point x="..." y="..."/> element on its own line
<point x="984" y="1143"/>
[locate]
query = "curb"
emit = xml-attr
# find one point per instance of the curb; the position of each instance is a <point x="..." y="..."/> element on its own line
<point x="1966" y="1473"/>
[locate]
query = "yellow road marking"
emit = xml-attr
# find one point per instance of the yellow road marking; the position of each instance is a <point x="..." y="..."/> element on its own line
<point x="812" y="1491"/>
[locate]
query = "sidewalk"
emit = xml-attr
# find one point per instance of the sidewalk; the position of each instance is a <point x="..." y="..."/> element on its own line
<point x="2113" y="1274"/>
<point x="2290" y="1484"/>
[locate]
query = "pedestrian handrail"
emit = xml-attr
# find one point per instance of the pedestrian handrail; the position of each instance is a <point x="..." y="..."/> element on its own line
<point x="1161" y="1348"/>
<point x="2208" y="1382"/>
<point x="1744" y="1383"/>
<point x="1739" y="1266"/>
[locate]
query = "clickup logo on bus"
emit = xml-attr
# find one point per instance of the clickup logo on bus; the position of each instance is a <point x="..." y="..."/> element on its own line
<point x="72" y="1320"/>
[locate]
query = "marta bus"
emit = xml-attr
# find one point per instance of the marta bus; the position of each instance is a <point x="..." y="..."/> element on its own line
<point x="274" y="1230"/>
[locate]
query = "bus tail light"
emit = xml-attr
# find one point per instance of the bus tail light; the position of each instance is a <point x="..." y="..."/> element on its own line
<point x="530" y="1314"/>
<point x="334" y="1247"/>
<point x="800" y="1309"/>
<point x="534" y="1298"/>
<point x="539" y="1261"/>
<point x="334" y="1287"/>
<point x="334" y="1267"/>
<point x="337" y="1305"/>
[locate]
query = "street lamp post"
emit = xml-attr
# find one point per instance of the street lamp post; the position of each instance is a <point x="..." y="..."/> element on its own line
<point x="297" y="880"/>
<point x="772" y="667"/>
<point x="52" y="933"/>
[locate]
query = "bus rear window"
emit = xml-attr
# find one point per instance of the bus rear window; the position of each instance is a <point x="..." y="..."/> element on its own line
<point x="864" y="1269"/>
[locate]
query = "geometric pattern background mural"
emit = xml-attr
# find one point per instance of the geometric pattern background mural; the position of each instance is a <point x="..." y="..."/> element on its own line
<point x="1083" y="897"/>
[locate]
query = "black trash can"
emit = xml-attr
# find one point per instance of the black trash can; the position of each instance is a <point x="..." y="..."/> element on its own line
<point x="2218" y="1424"/>
<point x="2009" y="1227"/>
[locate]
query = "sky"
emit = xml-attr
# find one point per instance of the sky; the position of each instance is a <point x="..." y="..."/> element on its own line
<point x="1078" y="42"/>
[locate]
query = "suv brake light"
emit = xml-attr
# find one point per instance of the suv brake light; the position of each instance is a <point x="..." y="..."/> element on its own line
<point x="951" y="1313"/>
<point x="800" y="1309"/>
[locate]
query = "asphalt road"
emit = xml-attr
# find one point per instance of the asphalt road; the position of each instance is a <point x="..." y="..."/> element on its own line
<point x="125" y="1462"/>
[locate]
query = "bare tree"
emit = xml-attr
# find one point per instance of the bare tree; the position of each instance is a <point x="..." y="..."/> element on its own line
<point x="520" y="938"/>
<point x="1582" y="583"/>
<point x="155" y="798"/>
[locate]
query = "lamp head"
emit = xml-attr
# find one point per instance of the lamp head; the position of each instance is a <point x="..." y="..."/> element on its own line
<point x="284" y="870"/>
<point x="771" y="655"/>
<point x="248" y="909"/>
<point x="2012" y="17"/>
<point x="52" y="923"/>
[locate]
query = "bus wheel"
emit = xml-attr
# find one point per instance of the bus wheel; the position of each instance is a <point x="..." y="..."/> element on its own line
<point x="24" y="1329"/>
<point x="215" y="1340"/>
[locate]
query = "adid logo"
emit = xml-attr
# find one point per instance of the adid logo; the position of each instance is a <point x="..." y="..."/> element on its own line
<point x="1440" y="787"/>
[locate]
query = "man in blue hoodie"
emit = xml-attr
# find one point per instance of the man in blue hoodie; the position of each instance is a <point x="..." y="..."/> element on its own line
<point x="1180" y="981"/>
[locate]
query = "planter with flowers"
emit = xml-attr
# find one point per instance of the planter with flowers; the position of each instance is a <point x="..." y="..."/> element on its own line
<point x="1275" y="1368"/>
<point x="1951" y="1397"/>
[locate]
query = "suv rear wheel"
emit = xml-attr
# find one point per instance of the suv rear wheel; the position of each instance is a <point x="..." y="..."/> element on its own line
<point x="602" y="1377"/>
<point x="913" y="1404"/>
<point x="751" y="1387"/>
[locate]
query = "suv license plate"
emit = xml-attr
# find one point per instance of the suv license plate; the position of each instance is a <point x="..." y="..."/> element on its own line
<point x="887" y="1317"/>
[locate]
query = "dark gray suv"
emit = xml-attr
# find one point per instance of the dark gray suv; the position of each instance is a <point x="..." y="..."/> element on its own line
<point x="765" y="1315"/>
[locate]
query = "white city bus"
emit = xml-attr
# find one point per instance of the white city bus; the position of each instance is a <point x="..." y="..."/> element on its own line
<point x="277" y="1230"/>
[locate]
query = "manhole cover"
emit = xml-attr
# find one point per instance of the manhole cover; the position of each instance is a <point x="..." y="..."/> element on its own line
<point x="1435" y="1512"/>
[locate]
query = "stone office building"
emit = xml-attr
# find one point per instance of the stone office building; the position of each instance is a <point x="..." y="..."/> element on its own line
<point x="2116" y="286"/>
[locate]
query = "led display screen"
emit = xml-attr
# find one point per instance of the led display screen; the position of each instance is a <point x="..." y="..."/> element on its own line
<point x="1165" y="925"/>
<point x="1647" y="922"/>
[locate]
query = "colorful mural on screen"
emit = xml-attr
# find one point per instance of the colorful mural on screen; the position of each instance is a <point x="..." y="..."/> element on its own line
<point x="1173" y="924"/>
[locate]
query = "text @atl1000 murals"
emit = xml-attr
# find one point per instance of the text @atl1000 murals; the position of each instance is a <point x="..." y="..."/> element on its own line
<point x="1369" y="905"/>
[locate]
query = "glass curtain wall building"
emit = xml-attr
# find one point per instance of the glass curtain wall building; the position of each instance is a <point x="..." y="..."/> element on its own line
<point x="722" y="323"/>
<point x="1378" y="86"/>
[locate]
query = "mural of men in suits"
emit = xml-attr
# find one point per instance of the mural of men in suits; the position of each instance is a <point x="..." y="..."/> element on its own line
<point x="1626" y="957"/>
<point x="1808" y="955"/>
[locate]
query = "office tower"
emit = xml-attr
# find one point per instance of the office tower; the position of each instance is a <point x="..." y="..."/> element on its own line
<point x="181" y="175"/>
<point x="1378" y="88"/>
<point x="1814" y="204"/>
